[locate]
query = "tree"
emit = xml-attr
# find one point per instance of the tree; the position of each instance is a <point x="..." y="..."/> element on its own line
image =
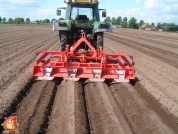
<point x="27" y="20"/>
<point x="119" y="21"/>
<point x="22" y="20"/>
<point x="124" y="22"/>
<point x="169" y="27"/>
<point x="10" y="21"/>
<point x="172" y="27"/>
<point x="113" y="21"/>
<point x="47" y="20"/>
<point x="133" y="23"/>
<point x="141" y="23"/>
<point x="108" y="19"/>
<point x="125" y="19"/>
<point x="152" y="24"/>
<point x="159" y="26"/>
<point x="4" y="19"/>
<point x="19" y="20"/>
<point x="0" y="19"/>
<point x="38" y="22"/>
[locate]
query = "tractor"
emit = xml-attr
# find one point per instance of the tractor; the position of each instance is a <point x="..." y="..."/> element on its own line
<point x="82" y="16"/>
<point x="81" y="36"/>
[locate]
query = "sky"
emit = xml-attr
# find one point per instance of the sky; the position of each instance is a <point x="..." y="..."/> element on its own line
<point x="164" y="11"/>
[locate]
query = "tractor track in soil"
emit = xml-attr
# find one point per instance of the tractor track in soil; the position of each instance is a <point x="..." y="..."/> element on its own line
<point x="128" y="41"/>
<point x="16" y="75"/>
<point x="148" y="38"/>
<point x="161" y="111"/>
<point x="73" y="107"/>
<point x="33" y="111"/>
<point x="160" y="54"/>
<point x="18" y="35"/>
<point x="11" y="56"/>
<point x="17" y="50"/>
<point x="160" y="35"/>
<point x="84" y="107"/>
<point x="17" y="41"/>
<point x="21" y="66"/>
<point x="11" y="83"/>
<point x="158" y="77"/>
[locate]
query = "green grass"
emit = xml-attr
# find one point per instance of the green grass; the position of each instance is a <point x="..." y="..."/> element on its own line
<point x="7" y="25"/>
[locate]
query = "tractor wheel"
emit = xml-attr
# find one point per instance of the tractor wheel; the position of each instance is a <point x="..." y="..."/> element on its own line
<point x="64" y="40"/>
<point x="100" y="40"/>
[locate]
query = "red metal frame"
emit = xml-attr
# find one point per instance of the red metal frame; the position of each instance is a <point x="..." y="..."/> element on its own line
<point x="93" y="64"/>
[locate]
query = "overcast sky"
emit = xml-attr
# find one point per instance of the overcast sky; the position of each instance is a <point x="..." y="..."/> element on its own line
<point x="148" y="10"/>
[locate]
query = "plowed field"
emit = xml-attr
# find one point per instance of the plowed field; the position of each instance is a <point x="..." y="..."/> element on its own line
<point x="145" y="106"/>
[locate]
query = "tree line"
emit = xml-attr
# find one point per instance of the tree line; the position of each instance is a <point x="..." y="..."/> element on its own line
<point x="16" y="20"/>
<point x="124" y="22"/>
<point x="20" y="20"/>
<point x="133" y="24"/>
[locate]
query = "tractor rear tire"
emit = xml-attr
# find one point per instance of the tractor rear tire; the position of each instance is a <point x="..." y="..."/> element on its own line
<point x="100" y="40"/>
<point x="64" y="40"/>
<point x="60" y="36"/>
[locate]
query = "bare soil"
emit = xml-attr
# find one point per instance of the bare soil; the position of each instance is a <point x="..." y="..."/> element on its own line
<point x="147" y="105"/>
<point x="139" y="114"/>
<point x="104" y="114"/>
<point x="68" y="113"/>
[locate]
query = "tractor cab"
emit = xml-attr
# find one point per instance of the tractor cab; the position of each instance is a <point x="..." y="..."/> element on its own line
<point x="82" y="10"/>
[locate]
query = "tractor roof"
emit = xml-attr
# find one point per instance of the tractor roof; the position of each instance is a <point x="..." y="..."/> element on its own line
<point x="83" y="1"/>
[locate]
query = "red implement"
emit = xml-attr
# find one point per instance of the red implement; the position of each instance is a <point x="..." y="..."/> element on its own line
<point x="73" y="65"/>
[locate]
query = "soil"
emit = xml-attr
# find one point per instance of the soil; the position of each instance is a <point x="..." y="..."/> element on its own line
<point x="68" y="112"/>
<point x="146" y="105"/>
<point x="104" y="114"/>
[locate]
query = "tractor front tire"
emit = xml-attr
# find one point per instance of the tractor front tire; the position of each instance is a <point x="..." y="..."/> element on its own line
<point x="64" y="39"/>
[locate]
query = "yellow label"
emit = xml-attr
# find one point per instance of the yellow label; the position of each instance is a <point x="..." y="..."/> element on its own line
<point x="83" y="0"/>
<point x="89" y="1"/>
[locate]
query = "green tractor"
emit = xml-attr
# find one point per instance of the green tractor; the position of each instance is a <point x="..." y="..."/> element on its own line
<point x="82" y="16"/>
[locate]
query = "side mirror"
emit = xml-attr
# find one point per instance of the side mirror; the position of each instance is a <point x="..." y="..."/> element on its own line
<point x="103" y="13"/>
<point x="58" y="12"/>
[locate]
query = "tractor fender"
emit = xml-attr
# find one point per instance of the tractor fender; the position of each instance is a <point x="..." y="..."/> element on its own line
<point x="65" y="27"/>
<point x="98" y="28"/>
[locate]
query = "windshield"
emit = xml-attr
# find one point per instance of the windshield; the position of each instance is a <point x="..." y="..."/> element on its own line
<point x="79" y="13"/>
